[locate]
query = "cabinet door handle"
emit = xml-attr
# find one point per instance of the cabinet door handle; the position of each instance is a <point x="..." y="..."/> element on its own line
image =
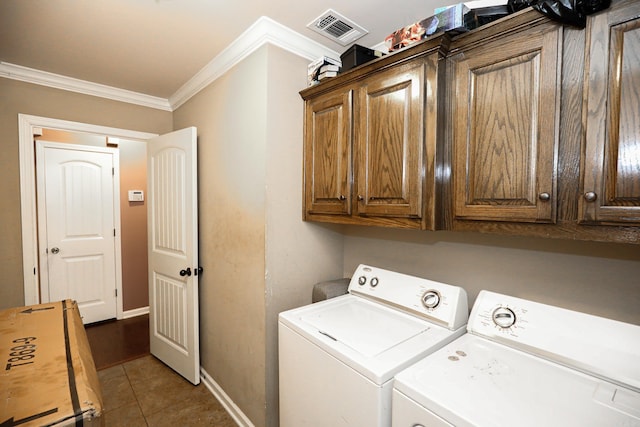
<point x="341" y="197"/>
<point x="544" y="197"/>
<point x="360" y="197"/>
<point x="186" y="272"/>
<point x="590" y="196"/>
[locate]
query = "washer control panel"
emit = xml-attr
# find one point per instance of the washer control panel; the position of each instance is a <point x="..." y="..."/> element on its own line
<point x="439" y="302"/>
<point x="371" y="281"/>
<point x="431" y="299"/>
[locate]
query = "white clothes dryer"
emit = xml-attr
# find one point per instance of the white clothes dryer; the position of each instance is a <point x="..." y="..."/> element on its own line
<point x="526" y="364"/>
<point x="338" y="357"/>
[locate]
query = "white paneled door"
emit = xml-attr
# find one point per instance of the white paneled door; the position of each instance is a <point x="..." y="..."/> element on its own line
<point x="173" y="251"/>
<point x="77" y="187"/>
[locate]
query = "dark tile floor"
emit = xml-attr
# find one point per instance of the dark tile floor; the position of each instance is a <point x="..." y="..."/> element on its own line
<point x="139" y="390"/>
<point x="145" y="392"/>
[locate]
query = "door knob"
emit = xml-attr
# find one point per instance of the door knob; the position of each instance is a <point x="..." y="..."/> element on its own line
<point x="590" y="196"/>
<point x="55" y="250"/>
<point x="186" y="272"/>
<point x="544" y="197"/>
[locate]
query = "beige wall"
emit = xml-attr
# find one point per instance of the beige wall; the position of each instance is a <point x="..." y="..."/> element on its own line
<point x="18" y="97"/>
<point x="598" y="278"/>
<point x="298" y="254"/>
<point x="229" y="115"/>
<point x="133" y="224"/>
<point x="258" y="255"/>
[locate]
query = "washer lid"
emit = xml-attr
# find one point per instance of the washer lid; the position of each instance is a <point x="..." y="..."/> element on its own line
<point x="373" y="339"/>
<point x="369" y="329"/>
<point x="476" y="382"/>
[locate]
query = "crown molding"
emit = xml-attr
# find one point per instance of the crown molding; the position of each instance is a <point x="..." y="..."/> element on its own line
<point x="264" y="30"/>
<point x="30" y="75"/>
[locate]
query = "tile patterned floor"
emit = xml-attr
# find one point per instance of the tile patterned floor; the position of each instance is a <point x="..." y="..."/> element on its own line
<point x="145" y="392"/>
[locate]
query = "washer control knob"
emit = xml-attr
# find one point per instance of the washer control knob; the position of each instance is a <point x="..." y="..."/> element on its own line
<point x="504" y="317"/>
<point x="374" y="282"/>
<point x="362" y="280"/>
<point x="431" y="299"/>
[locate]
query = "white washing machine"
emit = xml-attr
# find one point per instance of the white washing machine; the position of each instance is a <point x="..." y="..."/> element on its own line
<point x="338" y="357"/>
<point x="526" y="364"/>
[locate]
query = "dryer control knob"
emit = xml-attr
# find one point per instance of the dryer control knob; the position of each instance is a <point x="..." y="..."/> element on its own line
<point x="504" y="317"/>
<point x="374" y="282"/>
<point x="362" y="280"/>
<point x="431" y="299"/>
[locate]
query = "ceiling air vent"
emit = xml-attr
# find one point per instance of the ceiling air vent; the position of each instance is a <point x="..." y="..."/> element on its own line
<point x="336" y="27"/>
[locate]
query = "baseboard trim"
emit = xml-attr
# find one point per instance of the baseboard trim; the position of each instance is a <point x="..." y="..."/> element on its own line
<point x="225" y="400"/>
<point x="135" y="312"/>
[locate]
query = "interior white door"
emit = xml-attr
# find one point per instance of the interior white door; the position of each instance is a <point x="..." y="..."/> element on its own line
<point x="76" y="222"/>
<point x="173" y="251"/>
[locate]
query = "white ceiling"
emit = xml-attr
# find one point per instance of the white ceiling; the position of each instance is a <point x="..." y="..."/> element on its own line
<point x="155" y="46"/>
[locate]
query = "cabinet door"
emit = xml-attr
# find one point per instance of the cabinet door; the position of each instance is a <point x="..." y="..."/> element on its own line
<point x="611" y="163"/>
<point x="327" y="154"/>
<point x="389" y="142"/>
<point x="506" y="114"/>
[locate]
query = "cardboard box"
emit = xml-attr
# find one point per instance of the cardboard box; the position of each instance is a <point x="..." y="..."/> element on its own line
<point x="451" y="18"/>
<point x="48" y="374"/>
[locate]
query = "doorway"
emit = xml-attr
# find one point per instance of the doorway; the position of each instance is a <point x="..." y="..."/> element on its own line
<point x="31" y="270"/>
<point x="172" y="160"/>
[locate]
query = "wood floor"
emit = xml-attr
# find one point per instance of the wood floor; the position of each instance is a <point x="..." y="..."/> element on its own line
<point x="115" y="342"/>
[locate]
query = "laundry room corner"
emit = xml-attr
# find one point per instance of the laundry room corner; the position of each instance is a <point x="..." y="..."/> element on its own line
<point x="258" y="256"/>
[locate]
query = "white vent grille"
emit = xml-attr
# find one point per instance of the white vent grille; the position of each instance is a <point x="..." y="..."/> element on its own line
<point x="336" y="27"/>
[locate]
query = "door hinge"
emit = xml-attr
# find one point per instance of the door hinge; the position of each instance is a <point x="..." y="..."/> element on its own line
<point x="114" y="232"/>
<point x="116" y="292"/>
<point x="113" y="171"/>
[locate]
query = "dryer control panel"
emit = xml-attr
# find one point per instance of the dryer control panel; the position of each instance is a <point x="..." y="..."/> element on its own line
<point x="440" y="303"/>
<point x="603" y="347"/>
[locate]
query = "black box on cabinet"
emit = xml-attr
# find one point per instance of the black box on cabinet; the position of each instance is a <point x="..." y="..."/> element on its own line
<point x="357" y="55"/>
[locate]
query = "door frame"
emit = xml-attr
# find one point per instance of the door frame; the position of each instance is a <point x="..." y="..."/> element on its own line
<point x="29" y="218"/>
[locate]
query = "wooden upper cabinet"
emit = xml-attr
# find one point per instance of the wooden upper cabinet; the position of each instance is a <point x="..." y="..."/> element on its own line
<point x="389" y="142"/>
<point x="327" y="154"/>
<point x="505" y="112"/>
<point x="371" y="143"/>
<point x="611" y="163"/>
